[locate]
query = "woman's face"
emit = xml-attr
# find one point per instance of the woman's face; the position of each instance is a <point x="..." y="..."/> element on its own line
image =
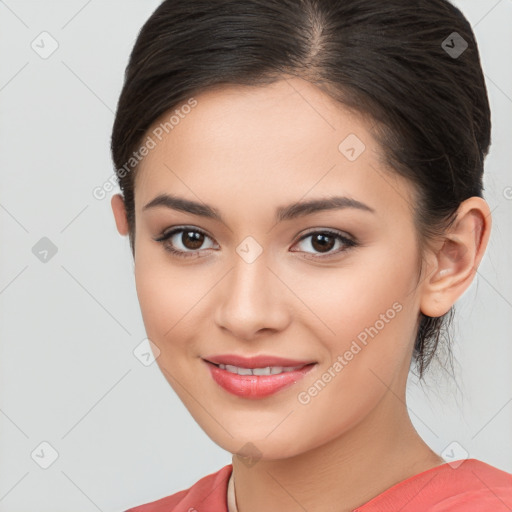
<point x="263" y="278"/>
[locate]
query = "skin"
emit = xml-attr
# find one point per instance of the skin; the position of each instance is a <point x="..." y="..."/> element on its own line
<point x="246" y="151"/>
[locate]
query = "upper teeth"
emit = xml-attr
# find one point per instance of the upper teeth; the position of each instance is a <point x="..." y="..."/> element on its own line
<point x="269" y="370"/>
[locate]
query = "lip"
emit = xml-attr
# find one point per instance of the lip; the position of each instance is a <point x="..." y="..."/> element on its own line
<point x="256" y="386"/>
<point x="261" y="361"/>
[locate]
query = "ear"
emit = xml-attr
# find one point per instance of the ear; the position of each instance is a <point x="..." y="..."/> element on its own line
<point x="119" y="211"/>
<point x="456" y="258"/>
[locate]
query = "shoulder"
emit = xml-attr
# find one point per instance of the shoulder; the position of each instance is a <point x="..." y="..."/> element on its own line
<point x="461" y="486"/>
<point x="479" y="488"/>
<point x="208" y="493"/>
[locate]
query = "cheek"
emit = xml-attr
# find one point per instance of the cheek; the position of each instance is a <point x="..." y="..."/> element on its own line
<point x="365" y="315"/>
<point x="169" y="297"/>
<point x="364" y="290"/>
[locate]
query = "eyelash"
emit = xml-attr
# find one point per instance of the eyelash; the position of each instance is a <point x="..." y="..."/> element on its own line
<point x="164" y="237"/>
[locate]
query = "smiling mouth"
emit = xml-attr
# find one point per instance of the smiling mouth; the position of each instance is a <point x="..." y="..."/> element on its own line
<point x="258" y="382"/>
<point x="267" y="370"/>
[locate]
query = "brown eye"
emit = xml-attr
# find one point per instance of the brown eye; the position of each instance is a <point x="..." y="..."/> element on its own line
<point x="184" y="241"/>
<point x="323" y="242"/>
<point x="192" y="239"/>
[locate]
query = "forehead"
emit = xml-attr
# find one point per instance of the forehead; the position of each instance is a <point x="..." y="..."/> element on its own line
<point x="274" y="142"/>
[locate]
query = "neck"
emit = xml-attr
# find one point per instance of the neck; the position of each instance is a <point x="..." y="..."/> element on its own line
<point x="342" y="474"/>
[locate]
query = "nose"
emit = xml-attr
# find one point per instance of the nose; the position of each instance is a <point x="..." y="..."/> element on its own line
<point x="252" y="301"/>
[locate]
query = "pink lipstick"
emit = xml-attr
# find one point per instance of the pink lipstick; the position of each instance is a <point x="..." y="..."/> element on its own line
<point x="258" y="376"/>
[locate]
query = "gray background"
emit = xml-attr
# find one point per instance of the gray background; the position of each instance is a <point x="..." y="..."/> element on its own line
<point x="69" y="326"/>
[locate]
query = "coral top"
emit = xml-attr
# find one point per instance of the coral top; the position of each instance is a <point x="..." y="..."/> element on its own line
<point x="473" y="486"/>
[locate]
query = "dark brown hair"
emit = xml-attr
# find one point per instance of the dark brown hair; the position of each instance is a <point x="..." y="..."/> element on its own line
<point x="411" y="66"/>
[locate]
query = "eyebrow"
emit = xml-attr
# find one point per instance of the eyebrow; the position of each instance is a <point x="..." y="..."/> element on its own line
<point x="287" y="212"/>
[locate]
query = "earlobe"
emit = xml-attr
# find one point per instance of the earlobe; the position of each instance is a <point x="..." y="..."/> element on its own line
<point x="119" y="211"/>
<point x="458" y="258"/>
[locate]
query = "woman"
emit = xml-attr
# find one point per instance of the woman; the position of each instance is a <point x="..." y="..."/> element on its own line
<point x="302" y="190"/>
